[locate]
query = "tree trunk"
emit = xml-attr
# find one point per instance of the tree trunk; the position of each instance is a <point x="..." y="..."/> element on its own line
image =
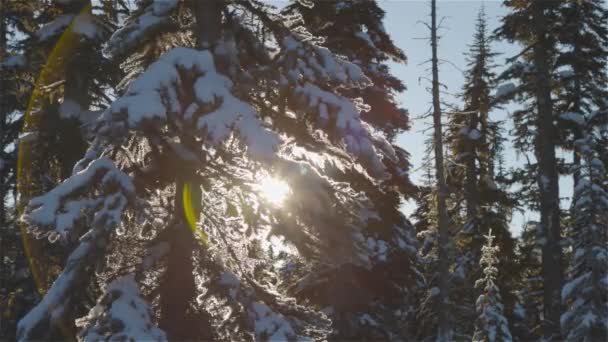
<point x="444" y="323"/>
<point x="77" y="71"/>
<point x="178" y="287"/>
<point x="547" y="181"/>
<point x="3" y="226"/>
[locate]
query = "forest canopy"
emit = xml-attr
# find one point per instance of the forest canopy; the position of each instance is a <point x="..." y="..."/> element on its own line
<point x="227" y="170"/>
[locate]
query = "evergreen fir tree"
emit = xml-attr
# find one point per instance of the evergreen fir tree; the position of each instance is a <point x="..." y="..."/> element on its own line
<point x="534" y="24"/>
<point x="474" y="143"/>
<point x="491" y="325"/>
<point x="211" y="107"/>
<point x="585" y="295"/>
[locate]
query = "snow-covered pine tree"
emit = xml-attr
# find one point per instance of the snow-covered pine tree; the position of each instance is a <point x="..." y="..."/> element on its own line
<point x="491" y="325"/>
<point x="474" y="142"/>
<point x="585" y="295"/>
<point x="219" y="97"/>
<point x="533" y="25"/>
<point x="354" y="29"/>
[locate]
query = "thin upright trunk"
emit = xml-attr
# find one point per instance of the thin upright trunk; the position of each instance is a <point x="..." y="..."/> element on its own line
<point x="547" y="181"/>
<point x="470" y="185"/>
<point x="444" y="323"/>
<point x="178" y="285"/>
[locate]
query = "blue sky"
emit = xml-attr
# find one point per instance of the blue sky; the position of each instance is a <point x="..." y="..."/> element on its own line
<point x="403" y="23"/>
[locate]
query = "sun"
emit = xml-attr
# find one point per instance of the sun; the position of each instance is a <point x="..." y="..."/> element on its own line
<point x="274" y="190"/>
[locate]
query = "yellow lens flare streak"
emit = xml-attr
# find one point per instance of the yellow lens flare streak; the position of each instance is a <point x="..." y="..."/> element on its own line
<point x="67" y="44"/>
<point x="192" y="214"/>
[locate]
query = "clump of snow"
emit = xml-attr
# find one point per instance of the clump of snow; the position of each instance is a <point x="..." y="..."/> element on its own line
<point x="505" y="90"/>
<point x="153" y="18"/>
<point x="27" y="137"/>
<point x="13" y="62"/>
<point x="232" y="114"/>
<point x="366" y="319"/>
<point x="474" y="134"/>
<point x="269" y="325"/>
<point x="574" y="284"/>
<point x="121" y="314"/>
<point x="365" y="37"/>
<point x="69" y="109"/>
<point x="489" y="182"/>
<point x="54" y="27"/>
<point x="153" y="254"/>
<point x="577" y="118"/>
<point x="85" y="25"/>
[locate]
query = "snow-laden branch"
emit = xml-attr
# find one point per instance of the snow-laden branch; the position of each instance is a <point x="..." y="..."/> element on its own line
<point x="215" y="113"/>
<point x="56" y="212"/>
<point x="155" y="18"/>
<point x="121" y="314"/>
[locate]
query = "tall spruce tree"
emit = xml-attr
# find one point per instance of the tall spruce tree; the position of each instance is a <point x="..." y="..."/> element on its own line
<point x="533" y="25"/>
<point x="474" y="141"/>
<point x="583" y="81"/>
<point x="219" y="97"/>
<point x="585" y="295"/>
